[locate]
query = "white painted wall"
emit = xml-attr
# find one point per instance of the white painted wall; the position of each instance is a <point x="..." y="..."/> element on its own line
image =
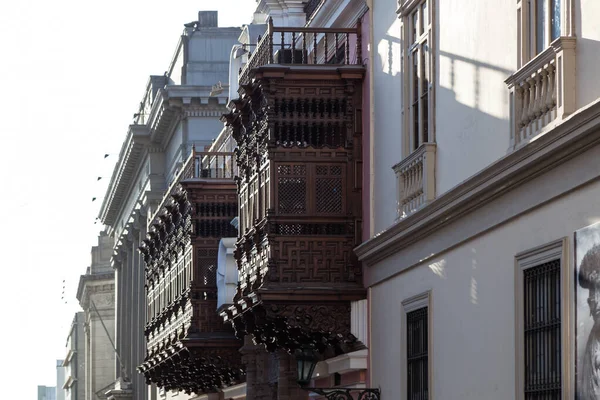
<point x="473" y="292"/>
<point x="588" y="50"/>
<point x="385" y="110"/>
<point x="476" y="51"/>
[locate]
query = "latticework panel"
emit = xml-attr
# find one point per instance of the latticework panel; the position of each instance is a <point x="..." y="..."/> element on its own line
<point x="292" y="189"/>
<point x="329" y="189"/>
<point x="310" y="260"/>
<point x="206" y="268"/>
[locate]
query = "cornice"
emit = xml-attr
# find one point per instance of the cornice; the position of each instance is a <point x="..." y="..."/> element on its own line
<point x="338" y="13"/>
<point x="93" y="280"/>
<point x="576" y="134"/>
<point x="129" y="159"/>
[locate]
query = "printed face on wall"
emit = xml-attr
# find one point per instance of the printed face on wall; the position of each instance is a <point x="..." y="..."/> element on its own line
<point x="587" y="295"/>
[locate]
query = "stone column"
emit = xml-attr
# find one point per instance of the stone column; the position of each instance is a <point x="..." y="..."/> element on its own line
<point x="127" y="300"/>
<point x="249" y="351"/>
<point x="287" y="387"/>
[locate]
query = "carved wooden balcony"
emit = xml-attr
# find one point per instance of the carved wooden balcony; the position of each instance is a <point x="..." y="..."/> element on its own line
<point x="189" y="348"/>
<point x="299" y="134"/>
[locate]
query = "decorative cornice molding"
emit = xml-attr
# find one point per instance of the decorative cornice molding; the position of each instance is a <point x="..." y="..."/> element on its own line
<point x="338" y="13"/>
<point x="576" y="134"/>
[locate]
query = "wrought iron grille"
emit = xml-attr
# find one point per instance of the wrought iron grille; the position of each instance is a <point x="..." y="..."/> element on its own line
<point x="417" y="354"/>
<point x="542" y="338"/>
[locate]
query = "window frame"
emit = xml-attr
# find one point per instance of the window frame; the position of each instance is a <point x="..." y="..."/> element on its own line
<point x="527" y="29"/>
<point x="556" y="250"/>
<point x="414" y="303"/>
<point x="419" y="46"/>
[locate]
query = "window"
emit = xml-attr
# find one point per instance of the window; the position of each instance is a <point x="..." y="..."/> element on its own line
<point x="416" y="354"/>
<point x="541" y="22"/>
<point x="417" y="23"/>
<point x="541" y="301"/>
<point x="542" y="338"/>
<point x="544" y="25"/>
<point x="416" y="341"/>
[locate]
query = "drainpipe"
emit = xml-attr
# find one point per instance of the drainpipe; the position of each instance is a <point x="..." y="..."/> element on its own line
<point x="371" y="189"/>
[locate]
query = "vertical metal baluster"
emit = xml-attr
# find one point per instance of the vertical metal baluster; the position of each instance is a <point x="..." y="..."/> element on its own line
<point x="358" y="43"/>
<point x="270" y="33"/>
<point x="326" y="50"/>
<point x="281" y="57"/>
<point x="347" y="50"/>
<point x="293" y="47"/>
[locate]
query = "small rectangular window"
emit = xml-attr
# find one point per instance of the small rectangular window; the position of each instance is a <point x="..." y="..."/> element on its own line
<point x="417" y="364"/>
<point x="542" y="331"/>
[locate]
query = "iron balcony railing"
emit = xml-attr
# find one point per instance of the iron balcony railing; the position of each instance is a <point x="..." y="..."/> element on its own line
<point x="304" y="46"/>
<point x="210" y="165"/>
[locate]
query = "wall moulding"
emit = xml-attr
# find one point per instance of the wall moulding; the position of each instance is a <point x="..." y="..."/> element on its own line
<point x="578" y="133"/>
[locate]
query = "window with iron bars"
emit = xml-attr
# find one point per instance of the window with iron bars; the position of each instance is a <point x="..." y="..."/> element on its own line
<point x="542" y="331"/>
<point x="417" y="380"/>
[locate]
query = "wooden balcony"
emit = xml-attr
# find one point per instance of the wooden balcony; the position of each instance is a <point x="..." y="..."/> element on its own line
<point x="304" y="47"/>
<point x="299" y="134"/>
<point x="189" y="348"/>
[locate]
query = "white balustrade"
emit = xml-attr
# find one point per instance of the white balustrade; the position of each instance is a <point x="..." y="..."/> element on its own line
<point x="415" y="179"/>
<point x="542" y="91"/>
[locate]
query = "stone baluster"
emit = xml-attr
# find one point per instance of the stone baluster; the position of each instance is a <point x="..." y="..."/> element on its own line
<point x="531" y="106"/>
<point x="538" y="79"/>
<point x="525" y="112"/>
<point x="551" y="93"/>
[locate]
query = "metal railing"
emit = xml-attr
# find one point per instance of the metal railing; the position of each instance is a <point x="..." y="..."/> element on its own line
<point x="305" y="46"/>
<point x="210" y="165"/>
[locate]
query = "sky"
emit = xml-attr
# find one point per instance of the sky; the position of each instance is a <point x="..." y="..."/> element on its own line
<point x="74" y="74"/>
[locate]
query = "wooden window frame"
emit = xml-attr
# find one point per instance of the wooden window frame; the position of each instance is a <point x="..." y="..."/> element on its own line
<point x="527" y="26"/>
<point x="417" y="43"/>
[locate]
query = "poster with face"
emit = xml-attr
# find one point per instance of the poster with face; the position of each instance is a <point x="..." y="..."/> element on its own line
<point x="587" y="313"/>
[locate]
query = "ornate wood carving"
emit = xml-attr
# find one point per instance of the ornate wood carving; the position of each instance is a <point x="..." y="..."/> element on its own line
<point x="189" y="347"/>
<point x="299" y="152"/>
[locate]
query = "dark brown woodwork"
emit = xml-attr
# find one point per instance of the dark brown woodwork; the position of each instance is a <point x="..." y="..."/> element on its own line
<point x="189" y="348"/>
<point x="298" y="131"/>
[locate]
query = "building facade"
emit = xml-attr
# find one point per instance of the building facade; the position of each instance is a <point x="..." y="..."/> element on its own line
<point x="46" y="392"/>
<point x="287" y="281"/>
<point x="179" y="110"/>
<point x="74" y="362"/>
<point x="60" y="380"/>
<point x="484" y="192"/>
<point x="96" y="295"/>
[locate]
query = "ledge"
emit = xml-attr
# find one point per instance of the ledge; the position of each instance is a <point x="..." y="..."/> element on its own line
<point x="578" y="133"/>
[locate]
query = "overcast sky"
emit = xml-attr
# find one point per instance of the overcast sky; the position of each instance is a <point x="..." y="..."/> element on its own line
<point x="73" y="73"/>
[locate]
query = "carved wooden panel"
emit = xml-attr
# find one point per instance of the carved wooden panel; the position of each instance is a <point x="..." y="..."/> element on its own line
<point x="181" y="265"/>
<point x="300" y="206"/>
